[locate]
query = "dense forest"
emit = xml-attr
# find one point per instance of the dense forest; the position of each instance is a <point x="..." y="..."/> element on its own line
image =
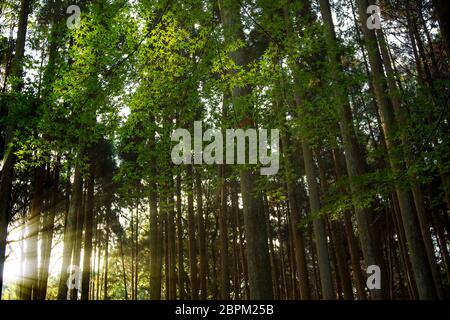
<point x="94" y="207"/>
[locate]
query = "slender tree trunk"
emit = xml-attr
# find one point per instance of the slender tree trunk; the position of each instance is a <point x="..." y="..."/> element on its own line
<point x="318" y="225"/>
<point x="136" y="254"/>
<point x="8" y="160"/>
<point x="223" y="230"/>
<point x="107" y="218"/>
<point x="297" y="234"/>
<point x="236" y="264"/>
<point x="30" y="275"/>
<point x="78" y="240"/>
<point x="316" y="276"/>
<point x="260" y="277"/>
<point x="419" y="259"/>
<point x="343" y="281"/>
<point x="89" y="225"/>
<point x="241" y="248"/>
<point x="354" y="256"/>
<point x="191" y="232"/>
<point x="406" y="266"/>
<point x="354" y="162"/>
<point x="155" y="273"/>
<point x="70" y="232"/>
<point x="47" y="233"/>
<point x="351" y="239"/>
<point x="202" y="238"/>
<point x="132" y="254"/>
<point x="416" y="191"/>
<point x="155" y="266"/>
<point x="273" y="264"/>
<point x="98" y="270"/>
<point x="171" y="241"/>
<point x="124" y="273"/>
<point x="283" y="266"/>
<point x="180" y="246"/>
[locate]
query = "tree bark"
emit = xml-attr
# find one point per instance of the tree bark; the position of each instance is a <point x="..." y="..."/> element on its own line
<point x="155" y="267"/>
<point x="203" y="270"/>
<point x="69" y="232"/>
<point x="419" y="259"/>
<point x="354" y="162"/>
<point x="8" y="155"/>
<point x="223" y="230"/>
<point x="443" y="12"/>
<point x="48" y="226"/>
<point x="89" y="225"/>
<point x="180" y="247"/>
<point x="260" y="277"/>
<point x="191" y="232"/>
<point x="30" y="276"/>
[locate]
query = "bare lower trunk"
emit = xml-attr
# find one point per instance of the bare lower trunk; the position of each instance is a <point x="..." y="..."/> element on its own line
<point x="191" y="232"/>
<point x="30" y="276"/>
<point x="89" y="224"/>
<point x="223" y="230"/>
<point x="203" y="270"/>
<point x="47" y="234"/>
<point x="69" y="232"/>
<point x="180" y="246"/>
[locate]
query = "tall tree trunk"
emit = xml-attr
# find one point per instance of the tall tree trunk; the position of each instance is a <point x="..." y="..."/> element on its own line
<point x="299" y="245"/>
<point x="203" y="270"/>
<point x="30" y="276"/>
<point x="258" y="261"/>
<point x="273" y="264"/>
<point x="180" y="246"/>
<point x="107" y="218"/>
<point x="419" y="259"/>
<point x="191" y="232"/>
<point x="47" y="232"/>
<point x="242" y="256"/>
<point x="320" y="236"/>
<point x="124" y="273"/>
<point x="98" y="269"/>
<point x="89" y="225"/>
<point x="132" y="254"/>
<point x="354" y="162"/>
<point x="351" y="239"/>
<point x="155" y="266"/>
<point x="416" y="190"/>
<point x="223" y="230"/>
<point x="406" y="265"/>
<point x="343" y="282"/>
<point x="69" y="232"/>
<point x="171" y="241"/>
<point x="136" y="254"/>
<point x="308" y="160"/>
<point x="8" y="160"/>
<point x="77" y="242"/>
